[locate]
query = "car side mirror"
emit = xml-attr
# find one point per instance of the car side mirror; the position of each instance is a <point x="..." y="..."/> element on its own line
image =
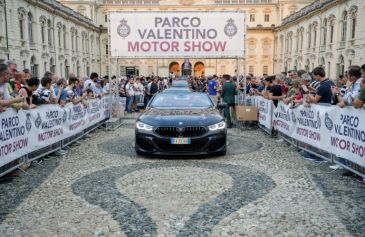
<point x="140" y="105"/>
<point x="222" y="105"/>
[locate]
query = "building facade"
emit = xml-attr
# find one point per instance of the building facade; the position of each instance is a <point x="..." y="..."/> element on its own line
<point x="72" y="36"/>
<point x="44" y="35"/>
<point x="261" y="17"/>
<point x="328" y="33"/>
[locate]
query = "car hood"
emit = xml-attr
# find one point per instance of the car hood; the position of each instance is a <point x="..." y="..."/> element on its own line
<point x="180" y="117"/>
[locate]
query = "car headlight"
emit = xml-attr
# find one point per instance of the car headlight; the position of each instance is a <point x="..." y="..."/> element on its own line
<point x="217" y="126"/>
<point x="143" y="126"/>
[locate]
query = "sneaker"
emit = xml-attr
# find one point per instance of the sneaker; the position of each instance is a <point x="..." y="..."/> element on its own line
<point x="335" y="167"/>
<point x="12" y="174"/>
<point x="39" y="161"/>
<point x="76" y="143"/>
<point x="87" y="136"/>
<point x="360" y="179"/>
<point x="280" y="140"/>
<point x="46" y="158"/>
<point x="348" y="173"/>
<point x="320" y="161"/>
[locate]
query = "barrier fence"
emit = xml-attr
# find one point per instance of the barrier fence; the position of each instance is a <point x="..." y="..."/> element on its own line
<point x="27" y="135"/>
<point x="329" y="132"/>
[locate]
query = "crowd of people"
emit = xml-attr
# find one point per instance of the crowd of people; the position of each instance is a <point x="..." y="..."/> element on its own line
<point x="20" y="90"/>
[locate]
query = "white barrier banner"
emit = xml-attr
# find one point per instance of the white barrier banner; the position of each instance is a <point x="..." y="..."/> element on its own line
<point x="282" y="120"/>
<point x="160" y="34"/>
<point x="308" y="125"/>
<point x="24" y="131"/>
<point x="337" y="131"/>
<point x="345" y="133"/>
<point x="265" y="108"/>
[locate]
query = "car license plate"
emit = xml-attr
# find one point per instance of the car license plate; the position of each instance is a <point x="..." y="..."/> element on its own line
<point x="180" y="140"/>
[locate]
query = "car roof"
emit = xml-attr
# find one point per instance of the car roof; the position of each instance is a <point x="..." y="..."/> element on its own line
<point x="177" y="90"/>
<point x="180" y="83"/>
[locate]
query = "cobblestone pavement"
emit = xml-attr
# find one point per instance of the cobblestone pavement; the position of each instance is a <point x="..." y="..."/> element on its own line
<point x="260" y="188"/>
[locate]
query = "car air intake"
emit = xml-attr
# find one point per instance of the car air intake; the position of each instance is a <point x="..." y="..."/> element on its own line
<point x="181" y="131"/>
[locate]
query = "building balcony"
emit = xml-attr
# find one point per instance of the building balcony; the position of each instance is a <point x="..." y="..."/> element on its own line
<point x="342" y="45"/>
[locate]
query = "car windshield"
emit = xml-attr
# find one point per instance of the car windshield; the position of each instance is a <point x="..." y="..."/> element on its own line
<point x="181" y="100"/>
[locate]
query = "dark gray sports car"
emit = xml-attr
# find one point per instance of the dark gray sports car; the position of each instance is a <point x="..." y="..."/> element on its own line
<point x="181" y="123"/>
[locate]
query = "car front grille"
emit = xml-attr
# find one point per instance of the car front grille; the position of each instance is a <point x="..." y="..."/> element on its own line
<point x="181" y="131"/>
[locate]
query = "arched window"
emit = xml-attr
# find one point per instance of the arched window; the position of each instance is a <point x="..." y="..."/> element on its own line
<point x="59" y="34"/>
<point x="30" y="27"/>
<point x="314" y="27"/>
<point x="341" y="66"/>
<point x="297" y="41"/>
<point x="52" y="67"/>
<point x="301" y="38"/>
<point x="353" y="15"/>
<point x="332" y="30"/>
<point x="43" y="29"/>
<point x="34" y="66"/>
<point x="64" y="36"/>
<point x="324" y="32"/>
<point x="21" y="18"/>
<point x="49" y="24"/>
<point x="76" y="41"/>
<point x="344" y="26"/>
<point x="322" y="63"/>
<point x="72" y="38"/>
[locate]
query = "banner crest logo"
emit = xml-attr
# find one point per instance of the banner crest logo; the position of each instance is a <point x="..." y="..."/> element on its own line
<point x="28" y="123"/>
<point x="328" y="122"/>
<point x="230" y="29"/>
<point x="38" y="121"/>
<point x="124" y="29"/>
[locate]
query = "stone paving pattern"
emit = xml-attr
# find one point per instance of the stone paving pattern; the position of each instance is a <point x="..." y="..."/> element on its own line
<point x="260" y="188"/>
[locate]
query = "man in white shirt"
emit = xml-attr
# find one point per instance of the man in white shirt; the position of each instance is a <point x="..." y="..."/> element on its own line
<point x="138" y="91"/>
<point x="352" y="89"/>
<point x="90" y="83"/>
<point x="130" y="95"/>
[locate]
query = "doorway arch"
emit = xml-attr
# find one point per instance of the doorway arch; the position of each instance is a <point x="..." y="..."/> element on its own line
<point x="199" y="69"/>
<point x="175" y="68"/>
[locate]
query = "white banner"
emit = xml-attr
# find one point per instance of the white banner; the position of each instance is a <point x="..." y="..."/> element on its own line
<point x="337" y="131"/>
<point x="282" y="120"/>
<point x="265" y="108"/>
<point x="345" y="133"/>
<point x="177" y="34"/>
<point x="24" y="131"/>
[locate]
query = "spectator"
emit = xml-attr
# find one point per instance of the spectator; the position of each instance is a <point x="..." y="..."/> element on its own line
<point x="60" y="91"/>
<point x="27" y="90"/>
<point x="153" y="87"/>
<point x="228" y="95"/>
<point x="43" y="94"/>
<point x="90" y="83"/>
<point x="292" y="91"/>
<point x="28" y="74"/>
<point x="324" y="92"/>
<point x="138" y="93"/>
<point x="275" y="93"/>
<point x="130" y="95"/>
<point x="71" y="91"/>
<point x="359" y="101"/>
<point x="293" y="75"/>
<point x="355" y="79"/>
<point x="212" y="88"/>
<point x="5" y="99"/>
